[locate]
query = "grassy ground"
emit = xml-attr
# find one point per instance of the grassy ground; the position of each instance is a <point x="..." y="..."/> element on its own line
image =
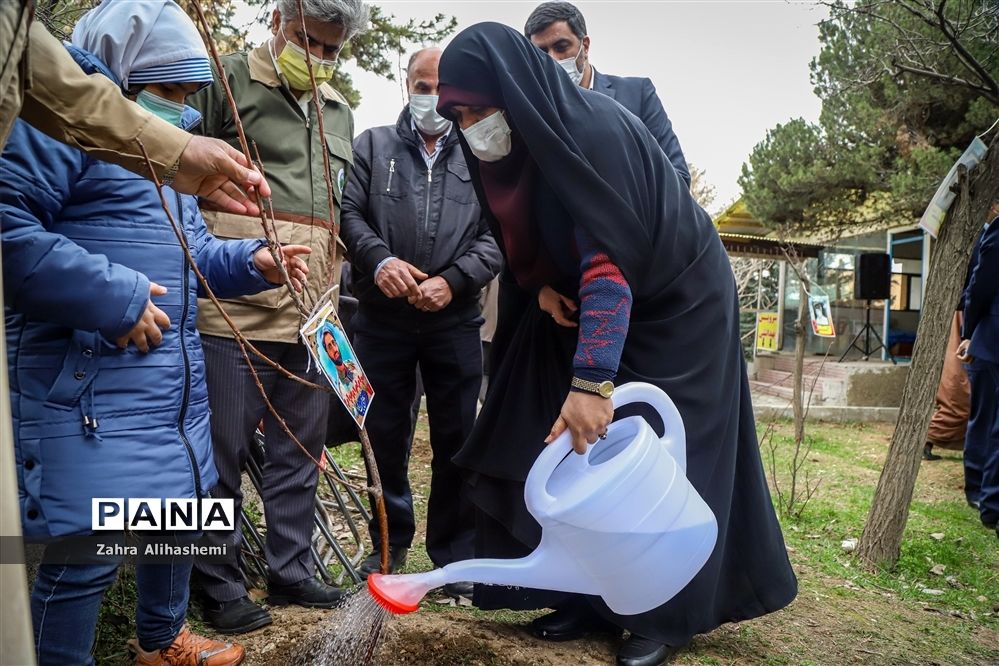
<point x="939" y="606"/>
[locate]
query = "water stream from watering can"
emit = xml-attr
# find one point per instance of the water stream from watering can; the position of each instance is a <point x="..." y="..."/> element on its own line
<point x="348" y="638"/>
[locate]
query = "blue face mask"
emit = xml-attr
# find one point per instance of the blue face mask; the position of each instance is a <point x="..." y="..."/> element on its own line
<point x="164" y="108"/>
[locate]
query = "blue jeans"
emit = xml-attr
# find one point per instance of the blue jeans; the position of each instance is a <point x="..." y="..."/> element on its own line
<point x="66" y="599"/>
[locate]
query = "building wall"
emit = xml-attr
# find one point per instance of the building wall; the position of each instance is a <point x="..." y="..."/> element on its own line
<point x="833" y="274"/>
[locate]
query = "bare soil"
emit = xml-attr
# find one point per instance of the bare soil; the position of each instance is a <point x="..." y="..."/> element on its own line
<point x="830" y="622"/>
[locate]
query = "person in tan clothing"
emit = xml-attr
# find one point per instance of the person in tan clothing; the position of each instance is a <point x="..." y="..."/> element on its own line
<point x="41" y="83"/>
<point x="953" y="401"/>
<point x="273" y="92"/>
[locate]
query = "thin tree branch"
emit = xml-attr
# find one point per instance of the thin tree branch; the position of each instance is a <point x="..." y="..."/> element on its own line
<point x="272" y="245"/>
<point x="938" y="21"/>
<point x="951" y="80"/>
<point x="378" y="496"/>
<point x="240" y="339"/>
<point x="965" y="55"/>
<point x="327" y="176"/>
<point x="375" y="488"/>
<point x="369" y="455"/>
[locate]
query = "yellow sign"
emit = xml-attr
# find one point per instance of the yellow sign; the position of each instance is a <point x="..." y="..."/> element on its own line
<point x="766" y="331"/>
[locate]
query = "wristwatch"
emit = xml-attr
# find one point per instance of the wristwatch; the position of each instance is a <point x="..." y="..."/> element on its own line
<point x="604" y="389"/>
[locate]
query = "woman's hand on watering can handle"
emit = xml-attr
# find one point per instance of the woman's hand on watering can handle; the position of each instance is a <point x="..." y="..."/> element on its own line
<point x="586" y="416"/>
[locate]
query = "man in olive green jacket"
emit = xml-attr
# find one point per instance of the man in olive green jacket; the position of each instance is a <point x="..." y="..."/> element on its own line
<point x="272" y="90"/>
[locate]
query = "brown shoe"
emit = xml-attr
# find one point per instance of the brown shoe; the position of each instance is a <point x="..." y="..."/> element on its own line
<point x="190" y="649"/>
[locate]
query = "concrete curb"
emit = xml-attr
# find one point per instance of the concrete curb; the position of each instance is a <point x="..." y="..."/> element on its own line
<point x="767" y="412"/>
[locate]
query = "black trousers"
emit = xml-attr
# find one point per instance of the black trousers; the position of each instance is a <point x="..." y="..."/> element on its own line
<point x="981" y="445"/>
<point x="289" y="477"/>
<point x="450" y="362"/>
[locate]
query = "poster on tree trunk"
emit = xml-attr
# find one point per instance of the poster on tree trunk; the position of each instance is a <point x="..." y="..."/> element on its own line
<point x="821" y="316"/>
<point x="327" y="342"/>
<point x="937" y="209"/>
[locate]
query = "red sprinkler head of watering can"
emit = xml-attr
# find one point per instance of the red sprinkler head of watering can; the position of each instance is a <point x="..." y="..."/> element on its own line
<point x="396" y="594"/>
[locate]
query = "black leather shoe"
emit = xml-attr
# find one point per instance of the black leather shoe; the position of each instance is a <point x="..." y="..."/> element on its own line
<point x="310" y="593"/>
<point x="373" y="562"/>
<point x="990" y="523"/>
<point x="640" y="651"/>
<point x="571" y="623"/>
<point x="235" y="617"/>
<point x="459" y="590"/>
<point x="928" y="453"/>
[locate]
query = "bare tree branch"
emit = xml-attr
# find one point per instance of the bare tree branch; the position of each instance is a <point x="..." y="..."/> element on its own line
<point x="951" y="80"/>
<point x="327" y="177"/>
<point x="938" y="20"/>
<point x="966" y="57"/>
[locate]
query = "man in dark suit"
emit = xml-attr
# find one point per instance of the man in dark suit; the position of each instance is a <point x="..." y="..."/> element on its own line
<point x="558" y="29"/>
<point x="980" y="349"/>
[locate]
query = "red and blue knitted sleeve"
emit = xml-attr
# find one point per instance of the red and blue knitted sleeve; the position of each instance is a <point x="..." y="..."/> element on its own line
<point x="604" y="312"/>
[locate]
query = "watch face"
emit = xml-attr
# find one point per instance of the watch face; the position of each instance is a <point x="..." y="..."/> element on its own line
<point x="606" y="389"/>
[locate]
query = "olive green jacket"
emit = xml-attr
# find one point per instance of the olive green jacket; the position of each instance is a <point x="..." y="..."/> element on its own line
<point x="289" y="146"/>
<point x="87" y="112"/>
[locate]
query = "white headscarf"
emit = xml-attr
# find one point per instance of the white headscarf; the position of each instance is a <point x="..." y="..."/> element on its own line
<point x="151" y="40"/>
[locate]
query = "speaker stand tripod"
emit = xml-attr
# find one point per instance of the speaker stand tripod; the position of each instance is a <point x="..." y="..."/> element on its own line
<point x="866" y="331"/>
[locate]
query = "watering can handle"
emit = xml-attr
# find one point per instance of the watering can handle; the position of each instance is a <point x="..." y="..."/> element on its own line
<point x="535" y="493"/>
<point x="674" y="438"/>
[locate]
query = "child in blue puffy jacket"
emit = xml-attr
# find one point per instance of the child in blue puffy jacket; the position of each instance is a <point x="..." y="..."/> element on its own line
<point x="106" y="368"/>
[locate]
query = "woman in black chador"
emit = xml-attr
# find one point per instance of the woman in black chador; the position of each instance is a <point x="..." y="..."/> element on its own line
<point x="614" y="274"/>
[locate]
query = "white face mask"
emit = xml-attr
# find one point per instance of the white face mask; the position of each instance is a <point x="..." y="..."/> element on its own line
<point x="424" y="111"/>
<point x="489" y="139"/>
<point x="571" y="67"/>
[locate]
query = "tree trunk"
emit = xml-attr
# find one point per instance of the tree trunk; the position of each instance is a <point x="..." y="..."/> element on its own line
<point x="881" y="540"/>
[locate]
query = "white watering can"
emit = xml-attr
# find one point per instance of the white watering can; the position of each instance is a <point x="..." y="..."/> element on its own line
<point x="620" y="521"/>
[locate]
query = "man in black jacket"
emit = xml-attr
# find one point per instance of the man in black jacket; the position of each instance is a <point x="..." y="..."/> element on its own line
<point x="421" y="251"/>
<point x="558" y="29"/>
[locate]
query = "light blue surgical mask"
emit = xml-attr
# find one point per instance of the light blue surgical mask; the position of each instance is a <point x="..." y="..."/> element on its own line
<point x="164" y="108"/>
<point x="424" y="111"/>
<point x="571" y="66"/>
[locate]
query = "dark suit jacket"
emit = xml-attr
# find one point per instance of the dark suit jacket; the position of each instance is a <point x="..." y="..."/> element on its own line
<point x="981" y="300"/>
<point x="638" y="95"/>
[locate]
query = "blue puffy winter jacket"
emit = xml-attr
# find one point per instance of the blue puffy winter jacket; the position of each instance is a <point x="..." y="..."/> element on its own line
<point x="82" y="239"/>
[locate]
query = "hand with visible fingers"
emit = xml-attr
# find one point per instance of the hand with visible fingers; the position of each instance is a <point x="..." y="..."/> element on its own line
<point x="214" y="170"/>
<point x="586" y="415"/>
<point x="398" y="278"/>
<point x="561" y="308"/>
<point x="148" y="331"/>
<point x="435" y="295"/>
<point x="297" y="269"/>
<point x="962" y="352"/>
